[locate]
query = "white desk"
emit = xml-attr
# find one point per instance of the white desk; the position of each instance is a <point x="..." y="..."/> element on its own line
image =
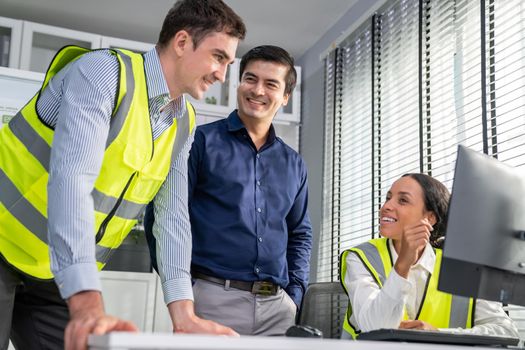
<point x="157" y="341"/>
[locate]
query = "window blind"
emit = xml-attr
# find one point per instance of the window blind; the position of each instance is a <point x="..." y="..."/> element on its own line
<point x="505" y="33"/>
<point x="416" y="80"/>
<point x="396" y="110"/>
<point x="325" y="261"/>
<point x="348" y="140"/>
<point x="452" y="93"/>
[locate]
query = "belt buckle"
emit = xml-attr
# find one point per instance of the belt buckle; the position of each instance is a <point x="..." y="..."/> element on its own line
<point x="263" y="288"/>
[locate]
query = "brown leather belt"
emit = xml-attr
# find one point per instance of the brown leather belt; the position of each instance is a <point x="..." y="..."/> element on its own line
<point x="257" y="287"/>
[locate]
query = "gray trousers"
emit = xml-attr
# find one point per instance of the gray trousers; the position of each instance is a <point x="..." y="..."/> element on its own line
<point x="246" y="313"/>
<point x="32" y="313"/>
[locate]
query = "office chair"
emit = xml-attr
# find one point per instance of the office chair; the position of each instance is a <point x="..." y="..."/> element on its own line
<point x="324" y="306"/>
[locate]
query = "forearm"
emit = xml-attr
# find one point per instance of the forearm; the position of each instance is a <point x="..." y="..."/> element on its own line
<point x="172" y="231"/>
<point x="374" y="307"/>
<point x="298" y="259"/>
<point x="490" y="319"/>
<point x="383" y="308"/>
<point x="299" y="246"/>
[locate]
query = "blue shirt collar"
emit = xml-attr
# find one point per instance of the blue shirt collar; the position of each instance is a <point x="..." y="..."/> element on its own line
<point x="235" y="124"/>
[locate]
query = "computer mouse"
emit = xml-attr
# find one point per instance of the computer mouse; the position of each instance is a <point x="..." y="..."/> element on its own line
<point x="303" y="332"/>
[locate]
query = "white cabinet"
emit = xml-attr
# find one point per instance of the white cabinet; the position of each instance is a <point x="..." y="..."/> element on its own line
<point x="162" y="321"/>
<point x="40" y="43"/>
<point x="137" y="46"/>
<point x="32" y="46"/>
<point x="136" y="297"/>
<point x="10" y="38"/>
<point x="17" y="88"/>
<point x="130" y="296"/>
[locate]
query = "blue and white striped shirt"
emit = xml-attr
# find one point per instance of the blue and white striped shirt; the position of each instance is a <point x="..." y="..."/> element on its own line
<point x="78" y="103"/>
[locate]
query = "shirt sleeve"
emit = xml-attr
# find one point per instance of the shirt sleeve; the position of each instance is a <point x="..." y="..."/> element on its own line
<point x="374" y="307"/>
<point x="172" y="230"/>
<point x="299" y="243"/>
<point x="489" y="319"/>
<point x="88" y="93"/>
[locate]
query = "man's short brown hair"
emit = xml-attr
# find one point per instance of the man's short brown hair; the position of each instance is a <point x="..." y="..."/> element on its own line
<point x="200" y="18"/>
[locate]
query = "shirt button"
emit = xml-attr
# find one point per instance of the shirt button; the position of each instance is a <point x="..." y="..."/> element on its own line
<point x="259" y="210"/>
<point x="258" y="156"/>
<point x="260" y="239"/>
<point x="257" y="270"/>
<point x="258" y="183"/>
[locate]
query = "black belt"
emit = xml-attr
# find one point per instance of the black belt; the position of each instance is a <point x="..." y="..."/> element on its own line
<point x="257" y="287"/>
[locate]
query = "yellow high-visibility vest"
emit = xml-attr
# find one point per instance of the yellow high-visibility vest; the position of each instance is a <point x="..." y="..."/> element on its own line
<point x="133" y="169"/>
<point x="442" y="310"/>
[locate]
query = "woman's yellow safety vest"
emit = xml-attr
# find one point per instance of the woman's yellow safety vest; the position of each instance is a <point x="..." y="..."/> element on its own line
<point x="133" y="169"/>
<point x="442" y="310"/>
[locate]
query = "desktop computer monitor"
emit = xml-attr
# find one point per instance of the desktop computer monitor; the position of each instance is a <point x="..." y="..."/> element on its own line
<point x="484" y="251"/>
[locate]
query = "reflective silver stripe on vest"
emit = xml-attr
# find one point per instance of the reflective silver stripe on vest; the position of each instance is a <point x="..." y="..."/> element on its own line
<point x="34" y="143"/>
<point x="103" y="253"/>
<point x="21" y="208"/>
<point x="117" y="121"/>
<point x="372" y="254"/>
<point x="183" y="131"/>
<point x="459" y="312"/>
<point x="126" y="209"/>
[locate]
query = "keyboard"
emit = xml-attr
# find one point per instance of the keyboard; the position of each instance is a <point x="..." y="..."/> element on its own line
<point x="437" y="337"/>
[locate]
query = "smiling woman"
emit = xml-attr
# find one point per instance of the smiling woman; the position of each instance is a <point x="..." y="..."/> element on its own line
<point x="392" y="281"/>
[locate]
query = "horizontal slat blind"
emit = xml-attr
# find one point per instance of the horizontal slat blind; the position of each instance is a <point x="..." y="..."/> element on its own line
<point x="356" y="141"/>
<point x="325" y="269"/>
<point x="380" y="123"/>
<point x="397" y="95"/>
<point x="452" y="99"/>
<point x="347" y="163"/>
<point x="506" y="80"/>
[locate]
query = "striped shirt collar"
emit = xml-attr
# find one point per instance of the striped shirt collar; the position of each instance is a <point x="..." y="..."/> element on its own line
<point x="157" y="86"/>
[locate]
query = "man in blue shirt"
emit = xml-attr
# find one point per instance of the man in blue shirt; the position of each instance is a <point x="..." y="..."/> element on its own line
<point x="248" y="207"/>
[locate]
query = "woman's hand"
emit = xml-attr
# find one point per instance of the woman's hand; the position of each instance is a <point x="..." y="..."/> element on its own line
<point x="417" y="324"/>
<point x="413" y="242"/>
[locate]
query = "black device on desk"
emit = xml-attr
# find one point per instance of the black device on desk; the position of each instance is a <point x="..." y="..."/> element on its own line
<point x="303" y="332"/>
<point x="437" y="337"/>
<point x="484" y="252"/>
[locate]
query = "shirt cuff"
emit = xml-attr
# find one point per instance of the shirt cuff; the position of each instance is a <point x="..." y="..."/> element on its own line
<point x="78" y="278"/>
<point x="396" y="287"/>
<point x="177" y="289"/>
<point x="296" y="293"/>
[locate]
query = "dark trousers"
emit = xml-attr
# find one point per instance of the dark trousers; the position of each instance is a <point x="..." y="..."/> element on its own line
<point x="32" y="313"/>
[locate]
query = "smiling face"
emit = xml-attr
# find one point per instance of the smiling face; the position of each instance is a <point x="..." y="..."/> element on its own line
<point x="200" y="67"/>
<point x="261" y="91"/>
<point x="404" y="206"/>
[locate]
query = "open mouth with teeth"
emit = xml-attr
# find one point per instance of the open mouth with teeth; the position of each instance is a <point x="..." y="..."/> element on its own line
<point x="386" y="219"/>
<point x="252" y="100"/>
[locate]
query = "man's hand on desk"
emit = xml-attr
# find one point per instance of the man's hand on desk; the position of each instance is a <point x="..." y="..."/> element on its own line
<point x="417" y="324"/>
<point x="88" y="317"/>
<point x="185" y="321"/>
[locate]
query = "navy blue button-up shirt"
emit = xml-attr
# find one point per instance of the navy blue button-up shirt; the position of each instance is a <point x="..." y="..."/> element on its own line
<point x="248" y="208"/>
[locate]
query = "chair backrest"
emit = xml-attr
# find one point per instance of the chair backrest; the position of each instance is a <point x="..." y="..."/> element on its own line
<point x="324" y="306"/>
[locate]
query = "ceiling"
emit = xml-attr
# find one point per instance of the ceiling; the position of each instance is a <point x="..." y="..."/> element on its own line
<point x="293" y="24"/>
